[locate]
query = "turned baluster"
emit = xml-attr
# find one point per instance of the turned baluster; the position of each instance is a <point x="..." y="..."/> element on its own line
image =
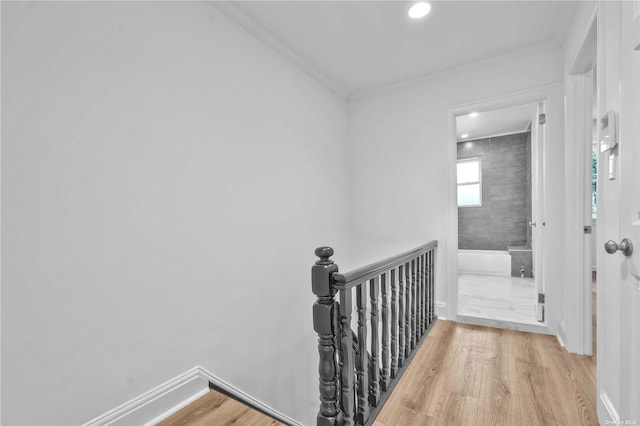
<point x="431" y="286"/>
<point x="394" y="325"/>
<point x="423" y="316"/>
<point x="400" y="317"/>
<point x="414" y="300"/>
<point x="385" y="333"/>
<point x="324" y="310"/>
<point x="427" y="299"/>
<point x="374" y="367"/>
<point x="423" y="295"/>
<point x="407" y="310"/>
<point x="362" y="360"/>
<point x="418" y="297"/>
<point x="428" y="279"/>
<point x="347" y="377"/>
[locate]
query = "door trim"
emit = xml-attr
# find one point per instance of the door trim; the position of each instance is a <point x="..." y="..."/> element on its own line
<point x="577" y="312"/>
<point x="549" y="94"/>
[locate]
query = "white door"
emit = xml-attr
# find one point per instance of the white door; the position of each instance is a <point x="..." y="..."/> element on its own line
<point x="618" y="333"/>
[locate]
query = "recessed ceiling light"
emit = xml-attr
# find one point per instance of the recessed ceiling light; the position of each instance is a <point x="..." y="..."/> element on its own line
<point x="464" y="136"/>
<point x="473" y="114"/>
<point x="419" y="10"/>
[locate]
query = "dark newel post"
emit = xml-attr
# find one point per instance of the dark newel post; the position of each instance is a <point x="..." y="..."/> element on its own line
<point x="323" y="323"/>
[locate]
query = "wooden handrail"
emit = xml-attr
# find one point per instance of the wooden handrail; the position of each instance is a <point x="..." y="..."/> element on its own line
<point x="349" y="279"/>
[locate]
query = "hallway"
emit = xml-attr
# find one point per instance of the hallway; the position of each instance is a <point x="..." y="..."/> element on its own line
<point x="471" y="375"/>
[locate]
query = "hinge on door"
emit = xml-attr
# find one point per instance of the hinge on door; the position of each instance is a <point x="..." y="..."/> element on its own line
<point x="587" y="229"/>
<point x="541" y="298"/>
<point x="541" y="310"/>
<point x="542" y="118"/>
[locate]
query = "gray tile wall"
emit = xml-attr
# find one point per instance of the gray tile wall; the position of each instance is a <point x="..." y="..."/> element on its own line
<point x="502" y="220"/>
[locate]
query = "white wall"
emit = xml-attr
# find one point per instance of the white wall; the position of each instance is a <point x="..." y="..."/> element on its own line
<point x="400" y="193"/>
<point x="166" y="178"/>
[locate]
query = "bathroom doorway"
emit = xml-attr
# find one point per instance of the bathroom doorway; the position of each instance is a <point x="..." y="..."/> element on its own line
<point x="499" y="203"/>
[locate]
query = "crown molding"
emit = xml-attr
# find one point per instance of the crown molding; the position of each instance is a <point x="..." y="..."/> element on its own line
<point x="231" y="11"/>
<point x="251" y="26"/>
<point x="469" y="66"/>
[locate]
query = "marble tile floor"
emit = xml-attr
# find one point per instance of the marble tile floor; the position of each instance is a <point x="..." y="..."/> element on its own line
<point x="498" y="298"/>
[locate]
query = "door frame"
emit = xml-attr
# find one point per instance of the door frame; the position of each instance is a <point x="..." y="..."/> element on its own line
<point x="577" y="322"/>
<point x="538" y="136"/>
<point x="551" y="95"/>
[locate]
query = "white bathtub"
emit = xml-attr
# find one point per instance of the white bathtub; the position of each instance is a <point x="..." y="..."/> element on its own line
<point x="484" y="262"/>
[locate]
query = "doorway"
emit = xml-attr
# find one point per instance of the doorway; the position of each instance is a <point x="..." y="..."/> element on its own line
<point x="545" y="171"/>
<point x="496" y="184"/>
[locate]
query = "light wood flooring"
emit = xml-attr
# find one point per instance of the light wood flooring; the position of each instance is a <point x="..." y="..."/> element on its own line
<point x="462" y="375"/>
<point x="215" y="409"/>
<point x="471" y="375"/>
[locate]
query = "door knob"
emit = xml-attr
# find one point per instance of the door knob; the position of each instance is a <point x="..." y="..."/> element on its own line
<point x="626" y="247"/>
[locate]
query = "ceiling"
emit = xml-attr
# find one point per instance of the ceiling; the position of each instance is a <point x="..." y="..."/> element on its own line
<point x="496" y="122"/>
<point x="357" y="46"/>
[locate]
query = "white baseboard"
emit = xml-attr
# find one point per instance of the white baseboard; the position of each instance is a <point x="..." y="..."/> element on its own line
<point x="540" y="328"/>
<point x="441" y="309"/>
<point x="248" y="398"/>
<point x="157" y="403"/>
<point x="561" y="336"/>
<point x="561" y="340"/>
<point x="162" y="401"/>
<point x="607" y="410"/>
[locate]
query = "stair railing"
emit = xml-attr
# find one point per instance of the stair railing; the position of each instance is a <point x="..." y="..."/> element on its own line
<point x="358" y="370"/>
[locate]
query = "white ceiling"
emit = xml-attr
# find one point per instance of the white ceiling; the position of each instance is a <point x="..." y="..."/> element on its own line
<point x="357" y="46"/>
<point x="496" y="122"/>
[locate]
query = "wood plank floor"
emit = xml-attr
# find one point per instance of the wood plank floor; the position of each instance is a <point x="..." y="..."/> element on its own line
<point x="471" y="375"/>
<point x="462" y="375"/>
<point x="217" y="409"/>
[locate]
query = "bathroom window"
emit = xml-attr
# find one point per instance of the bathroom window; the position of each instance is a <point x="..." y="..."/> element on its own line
<point x="469" y="182"/>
